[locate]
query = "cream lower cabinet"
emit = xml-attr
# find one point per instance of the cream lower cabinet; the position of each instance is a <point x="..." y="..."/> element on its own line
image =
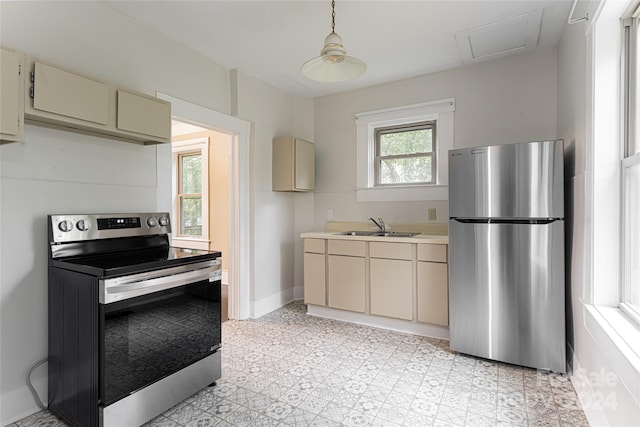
<point x="315" y="290"/>
<point x="346" y="274"/>
<point x="391" y="279"/>
<point x="433" y="284"/>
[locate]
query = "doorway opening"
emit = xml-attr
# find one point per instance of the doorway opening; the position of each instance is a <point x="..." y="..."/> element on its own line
<point x="200" y="191"/>
<point x="225" y="224"/>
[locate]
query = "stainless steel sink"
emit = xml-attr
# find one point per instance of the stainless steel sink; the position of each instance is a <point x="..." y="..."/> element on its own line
<point x="377" y="233"/>
<point x="394" y="234"/>
<point x="358" y="233"/>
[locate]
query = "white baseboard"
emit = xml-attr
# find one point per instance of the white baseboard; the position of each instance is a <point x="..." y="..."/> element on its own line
<point x="272" y="302"/>
<point x="19" y="403"/>
<point x="398" y="325"/>
<point x="582" y="385"/>
<point x="298" y="293"/>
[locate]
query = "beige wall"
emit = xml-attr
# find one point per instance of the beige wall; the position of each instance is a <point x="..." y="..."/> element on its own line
<point x="501" y="101"/>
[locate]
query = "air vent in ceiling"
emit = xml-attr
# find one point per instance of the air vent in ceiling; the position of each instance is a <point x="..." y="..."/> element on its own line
<point x="511" y="35"/>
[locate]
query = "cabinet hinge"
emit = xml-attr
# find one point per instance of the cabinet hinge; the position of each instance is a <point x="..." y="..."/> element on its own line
<point x="32" y="78"/>
<point x="19" y="69"/>
<point x="31" y="92"/>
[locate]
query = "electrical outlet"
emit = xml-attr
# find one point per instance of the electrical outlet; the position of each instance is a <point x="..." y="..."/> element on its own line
<point x="431" y="214"/>
<point x="330" y="214"/>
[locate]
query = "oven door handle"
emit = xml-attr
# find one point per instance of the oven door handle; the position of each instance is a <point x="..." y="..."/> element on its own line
<point x="117" y="290"/>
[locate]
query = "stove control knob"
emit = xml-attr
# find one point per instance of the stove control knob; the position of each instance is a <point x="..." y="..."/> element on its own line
<point x="152" y="221"/>
<point x="163" y="221"/>
<point x="65" y="225"/>
<point x="82" y="225"/>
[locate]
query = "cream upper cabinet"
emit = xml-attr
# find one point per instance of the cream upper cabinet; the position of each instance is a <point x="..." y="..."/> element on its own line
<point x="11" y="96"/>
<point x="433" y="284"/>
<point x="65" y="99"/>
<point x="315" y="272"/>
<point x="293" y="165"/>
<point x="347" y="274"/>
<point x="145" y="115"/>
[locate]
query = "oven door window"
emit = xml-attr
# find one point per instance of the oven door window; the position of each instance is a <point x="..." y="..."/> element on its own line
<point x="150" y="337"/>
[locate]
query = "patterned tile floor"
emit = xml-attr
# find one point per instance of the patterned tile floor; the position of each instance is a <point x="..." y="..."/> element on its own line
<point x="289" y="369"/>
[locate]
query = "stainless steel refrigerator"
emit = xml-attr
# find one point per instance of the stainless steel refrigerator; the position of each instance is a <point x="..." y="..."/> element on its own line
<point x="506" y="253"/>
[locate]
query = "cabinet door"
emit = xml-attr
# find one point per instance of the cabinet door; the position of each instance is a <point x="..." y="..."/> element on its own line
<point x="346" y="282"/>
<point x="11" y="96"/>
<point x="305" y="166"/>
<point x="144" y="114"/>
<point x="314" y="279"/>
<point x="67" y="94"/>
<point x="391" y="288"/>
<point x="433" y="293"/>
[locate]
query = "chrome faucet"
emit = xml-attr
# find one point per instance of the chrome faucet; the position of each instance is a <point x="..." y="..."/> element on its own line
<point x="380" y="223"/>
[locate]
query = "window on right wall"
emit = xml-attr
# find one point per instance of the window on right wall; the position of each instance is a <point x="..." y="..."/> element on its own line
<point x="630" y="169"/>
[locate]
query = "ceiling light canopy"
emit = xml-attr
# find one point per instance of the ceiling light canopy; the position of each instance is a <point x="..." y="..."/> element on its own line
<point x="333" y="64"/>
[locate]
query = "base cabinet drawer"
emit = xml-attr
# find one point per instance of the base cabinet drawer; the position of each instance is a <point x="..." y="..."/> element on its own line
<point x="314" y="279"/>
<point x="391" y="289"/>
<point x="433" y="293"/>
<point x="346" y="282"/>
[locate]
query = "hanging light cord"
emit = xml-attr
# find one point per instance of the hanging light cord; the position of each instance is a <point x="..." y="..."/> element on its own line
<point x="333" y="16"/>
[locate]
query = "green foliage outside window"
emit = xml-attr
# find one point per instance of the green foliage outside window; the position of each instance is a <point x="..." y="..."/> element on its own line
<point x="405" y="154"/>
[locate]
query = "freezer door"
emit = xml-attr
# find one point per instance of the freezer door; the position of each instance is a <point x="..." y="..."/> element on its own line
<point x="506" y="292"/>
<point x="507" y="181"/>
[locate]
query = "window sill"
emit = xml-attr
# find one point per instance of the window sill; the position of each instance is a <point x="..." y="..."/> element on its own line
<point x="619" y="339"/>
<point x="190" y="243"/>
<point x="403" y="194"/>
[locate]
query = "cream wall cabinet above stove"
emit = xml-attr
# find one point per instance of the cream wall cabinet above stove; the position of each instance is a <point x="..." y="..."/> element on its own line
<point x="293" y="165"/>
<point x="11" y="95"/>
<point x="64" y="99"/>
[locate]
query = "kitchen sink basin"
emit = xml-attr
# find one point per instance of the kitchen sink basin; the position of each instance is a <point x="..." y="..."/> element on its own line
<point x="394" y="234"/>
<point x="377" y="233"/>
<point x="358" y="233"/>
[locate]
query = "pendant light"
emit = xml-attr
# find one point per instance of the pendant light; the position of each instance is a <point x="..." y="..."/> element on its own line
<point x="333" y="64"/>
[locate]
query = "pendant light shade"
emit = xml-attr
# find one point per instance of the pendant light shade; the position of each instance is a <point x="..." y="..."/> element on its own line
<point x="333" y="64"/>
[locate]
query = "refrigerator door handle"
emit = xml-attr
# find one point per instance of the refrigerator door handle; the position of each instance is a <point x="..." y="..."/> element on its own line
<point x="534" y="221"/>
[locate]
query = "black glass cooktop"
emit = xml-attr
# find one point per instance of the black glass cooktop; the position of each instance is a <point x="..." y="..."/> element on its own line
<point x="133" y="261"/>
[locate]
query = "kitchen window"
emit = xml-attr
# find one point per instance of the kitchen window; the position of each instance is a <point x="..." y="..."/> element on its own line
<point x="402" y="152"/>
<point x="191" y="200"/>
<point x="630" y="169"/>
<point x="405" y="154"/>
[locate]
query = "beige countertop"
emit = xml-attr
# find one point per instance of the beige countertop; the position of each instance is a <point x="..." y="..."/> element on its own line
<point x="419" y="238"/>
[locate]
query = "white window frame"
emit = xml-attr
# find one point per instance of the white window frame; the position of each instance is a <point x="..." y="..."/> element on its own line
<point x="391" y="130"/>
<point x="630" y="151"/>
<point x="441" y="112"/>
<point x="179" y="148"/>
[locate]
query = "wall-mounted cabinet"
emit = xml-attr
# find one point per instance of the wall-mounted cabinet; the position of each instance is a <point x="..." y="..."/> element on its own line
<point x="293" y="165"/>
<point x="62" y="98"/>
<point x="11" y="95"/>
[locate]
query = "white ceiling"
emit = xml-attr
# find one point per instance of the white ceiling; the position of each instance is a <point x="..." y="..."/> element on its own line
<point x="270" y="40"/>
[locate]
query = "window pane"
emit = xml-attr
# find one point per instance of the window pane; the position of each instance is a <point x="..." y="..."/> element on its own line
<point x="191" y="173"/>
<point x="191" y="216"/>
<point x="405" y="170"/>
<point x="632" y="237"/>
<point x="406" y="142"/>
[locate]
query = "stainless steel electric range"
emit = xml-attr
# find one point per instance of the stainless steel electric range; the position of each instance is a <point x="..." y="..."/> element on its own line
<point x="134" y="324"/>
